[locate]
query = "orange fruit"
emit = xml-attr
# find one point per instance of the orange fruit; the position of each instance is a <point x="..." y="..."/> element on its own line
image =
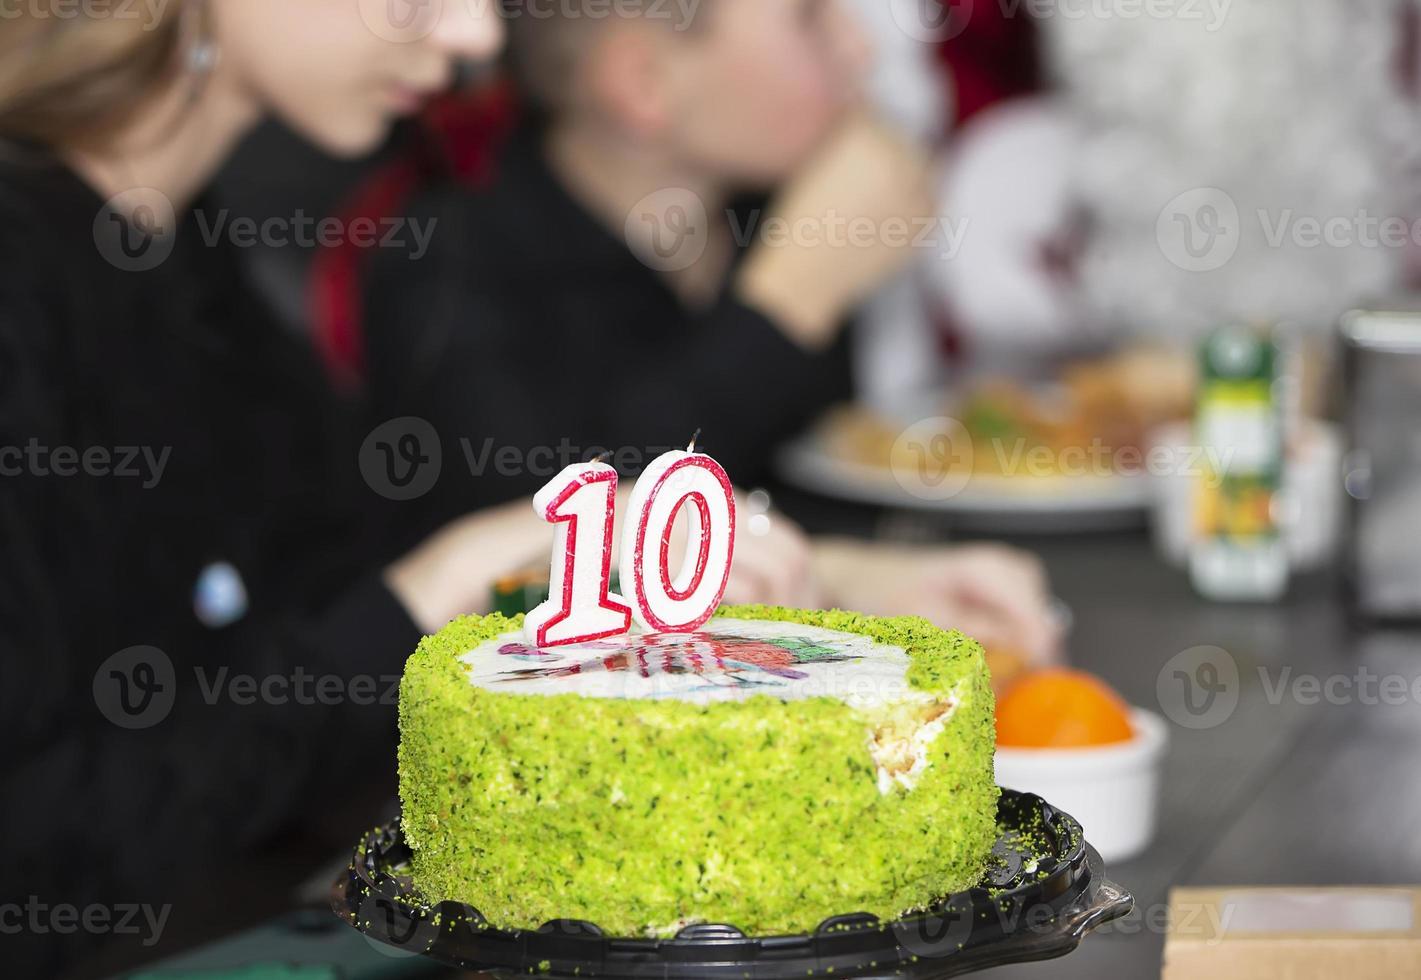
<point x="1061" y="709"/>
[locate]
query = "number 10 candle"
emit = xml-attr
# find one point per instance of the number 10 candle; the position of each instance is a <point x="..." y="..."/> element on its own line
<point x="580" y="501"/>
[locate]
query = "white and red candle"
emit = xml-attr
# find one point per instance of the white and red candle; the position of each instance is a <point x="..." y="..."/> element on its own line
<point x="580" y="501"/>
<point x="692" y="482"/>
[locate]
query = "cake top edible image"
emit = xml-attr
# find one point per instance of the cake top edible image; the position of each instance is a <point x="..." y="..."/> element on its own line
<point x="726" y="660"/>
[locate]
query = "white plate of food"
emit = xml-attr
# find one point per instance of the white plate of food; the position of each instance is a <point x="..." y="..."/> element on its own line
<point x="1070" y="454"/>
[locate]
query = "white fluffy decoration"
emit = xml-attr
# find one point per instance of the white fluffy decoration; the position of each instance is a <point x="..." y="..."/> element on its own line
<point x="895" y="349"/>
<point x="1007" y="182"/>
<point x="1290" y="107"/>
<point x="906" y="83"/>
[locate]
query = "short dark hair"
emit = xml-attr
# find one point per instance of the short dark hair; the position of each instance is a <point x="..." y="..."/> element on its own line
<point x="547" y="37"/>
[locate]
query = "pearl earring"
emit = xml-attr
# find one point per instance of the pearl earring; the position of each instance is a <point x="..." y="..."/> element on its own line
<point x="202" y="52"/>
<point x="202" y="56"/>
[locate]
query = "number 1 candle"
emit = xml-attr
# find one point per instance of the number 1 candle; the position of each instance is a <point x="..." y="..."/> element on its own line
<point x="580" y="501"/>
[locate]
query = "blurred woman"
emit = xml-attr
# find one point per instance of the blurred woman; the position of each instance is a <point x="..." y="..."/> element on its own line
<point x="180" y="504"/>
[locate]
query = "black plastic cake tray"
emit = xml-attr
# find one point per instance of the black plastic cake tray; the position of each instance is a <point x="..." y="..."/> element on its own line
<point x="1045" y="891"/>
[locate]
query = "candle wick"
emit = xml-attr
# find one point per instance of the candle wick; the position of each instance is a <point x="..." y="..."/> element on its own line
<point x="694" y="439"/>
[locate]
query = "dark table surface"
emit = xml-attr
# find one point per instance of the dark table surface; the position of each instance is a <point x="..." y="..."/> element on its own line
<point x="1281" y="788"/>
<point x="1288" y="788"/>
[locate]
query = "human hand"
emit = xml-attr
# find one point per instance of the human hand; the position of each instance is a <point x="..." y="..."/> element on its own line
<point x="452" y="573"/>
<point x="773" y="563"/>
<point x="863" y="199"/>
<point x="997" y="595"/>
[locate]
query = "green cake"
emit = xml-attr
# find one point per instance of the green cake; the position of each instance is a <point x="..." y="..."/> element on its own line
<point x="774" y="769"/>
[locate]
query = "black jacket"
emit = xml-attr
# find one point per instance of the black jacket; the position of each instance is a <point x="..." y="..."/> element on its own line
<point x="244" y="464"/>
<point x="531" y="331"/>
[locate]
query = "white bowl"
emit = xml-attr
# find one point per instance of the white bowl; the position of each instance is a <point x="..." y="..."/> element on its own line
<point x="1111" y="789"/>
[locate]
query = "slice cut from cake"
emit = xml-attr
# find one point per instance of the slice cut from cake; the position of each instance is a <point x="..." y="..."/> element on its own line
<point x="772" y="770"/>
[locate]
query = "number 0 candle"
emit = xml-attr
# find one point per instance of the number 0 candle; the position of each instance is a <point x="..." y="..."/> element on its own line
<point x="580" y="501"/>
<point x="682" y="602"/>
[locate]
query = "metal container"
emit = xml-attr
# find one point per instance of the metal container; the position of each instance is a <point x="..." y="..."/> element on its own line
<point x="1383" y="463"/>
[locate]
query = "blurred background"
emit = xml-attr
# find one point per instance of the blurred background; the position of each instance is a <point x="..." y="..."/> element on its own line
<point x="1121" y="293"/>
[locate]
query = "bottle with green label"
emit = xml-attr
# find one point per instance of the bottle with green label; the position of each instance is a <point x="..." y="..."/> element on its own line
<point x="1239" y="553"/>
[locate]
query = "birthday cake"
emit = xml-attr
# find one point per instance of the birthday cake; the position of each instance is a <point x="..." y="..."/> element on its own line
<point x="769" y="770"/>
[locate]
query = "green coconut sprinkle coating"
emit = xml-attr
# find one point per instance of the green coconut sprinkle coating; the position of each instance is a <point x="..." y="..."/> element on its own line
<point x="642" y="816"/>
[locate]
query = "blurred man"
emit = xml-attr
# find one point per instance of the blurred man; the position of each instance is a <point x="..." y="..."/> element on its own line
<point x="625" y="245"/>
<point x="622" y="282"/>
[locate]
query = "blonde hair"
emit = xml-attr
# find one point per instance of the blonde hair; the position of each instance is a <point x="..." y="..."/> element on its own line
<point x="74" y="81"/>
